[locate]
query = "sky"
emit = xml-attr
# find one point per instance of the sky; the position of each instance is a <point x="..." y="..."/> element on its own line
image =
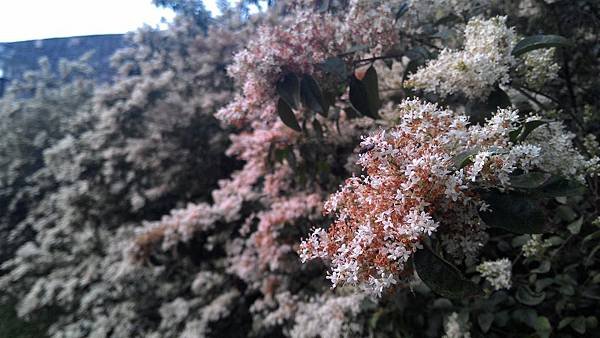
<point x="41" y="19"/>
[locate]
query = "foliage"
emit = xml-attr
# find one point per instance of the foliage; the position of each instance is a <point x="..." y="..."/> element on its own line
<point x="435" y="161"/>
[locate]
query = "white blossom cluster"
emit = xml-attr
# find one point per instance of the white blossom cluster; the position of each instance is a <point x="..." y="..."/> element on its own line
<point x="535" y="246"/>
<point x="456" y="327"/>
<point x="497" y="273"/>
<point x="328" y="316"/>
<point x="539" y="67"/>
<point x="484" y="61"/>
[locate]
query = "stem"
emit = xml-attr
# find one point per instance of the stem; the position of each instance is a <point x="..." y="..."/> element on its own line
<point x="382" y="57"/>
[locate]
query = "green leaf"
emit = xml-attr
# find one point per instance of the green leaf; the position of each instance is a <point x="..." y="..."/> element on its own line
<point x="318" y="129"/>
<point x="567" y="290"/>
<point x="558" y="186"/>
<point x="526" y="316"/>
<point x="501" y="318"/>
<point x="528" y="127"/>
<point x="442" y="277"/>
<point x="288" y="88"/>
<point x="512" y="212"/>
<point x="530" y="180"/>
<point x="364" y="94"/>
<point x="485" y="321"/>
<point x="312" y="96"/>
<point x="591" y="322"/>
<point x="543" y="283"/>
<point x="540" y="41"/>
<point x="542" y="327"/>
<point x="519" y="241"/>
<point x="594" y="235"/>
<point x="575" y="227"/>
<point x="578" y="324"/>
<point x="464" y="158"/>
<point x="543" y="268"/>
<point x="513" y="135"/>
<point x="528" y="297"/>
<point x="287" y="115"/>
<point x="564" y="322"/>
<point x="402" y="10"/>
<point x="566" y="213"/>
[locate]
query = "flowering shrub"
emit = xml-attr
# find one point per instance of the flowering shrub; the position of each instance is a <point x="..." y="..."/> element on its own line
<point x="433" y="161"/>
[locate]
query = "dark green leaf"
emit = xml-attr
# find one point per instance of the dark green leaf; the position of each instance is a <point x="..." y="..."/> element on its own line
<point x="527" y="128"/>
<point x="519" y="241"/>
<point x="530" y="180"/>
<point x="528" y="297"/>
<point x="501" y="318"/>
<point x="566" y="213"/>
<point x="578" y="324"/>
<point x="564" y="322"/>
<point x="402" y="10"/>
<point x="288" y="88"/>
<point x="542" y="327"/>
<point x="364" y="94"/>
<point x="513" y="135"/>
<point x="543" y="283"/>
<point x="287" y="115"/>
<point x="543" y="268"/>
<point x="312" y="96"/>
<point x="540" y="41"/>
<point x="592" y="236"/>
<point x="591" y="322"/>
<point x="442" y="277"/>
<point x="512" y="212"/>
<point x="525" y="316"/>
<point x="485" y="321"/>
<point x="558" y="186"/>
<point x="463" y="159"/>
<point x="318" y="129"/>
<point x="575" y="227"/>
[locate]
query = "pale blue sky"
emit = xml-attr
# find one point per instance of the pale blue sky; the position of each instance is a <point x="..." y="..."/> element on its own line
<point x="40" y="19"/>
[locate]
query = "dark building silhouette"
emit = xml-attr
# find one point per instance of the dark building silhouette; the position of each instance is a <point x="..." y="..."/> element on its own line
<point x="18" y="57"/>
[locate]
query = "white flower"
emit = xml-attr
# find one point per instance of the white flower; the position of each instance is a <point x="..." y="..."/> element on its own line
<point x="498" y="273"/>
<point x="483" y="63"/>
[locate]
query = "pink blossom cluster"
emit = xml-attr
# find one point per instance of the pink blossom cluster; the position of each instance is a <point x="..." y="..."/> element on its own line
<point x="298" y="44"/>
<point x="411" y="189"/>
<point x="182" y="224"/>
<point x="381" y="217"/>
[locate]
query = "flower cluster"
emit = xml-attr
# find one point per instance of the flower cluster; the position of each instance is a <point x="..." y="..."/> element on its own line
<point x="539" y="67"/>
<point x="457" y="327"/>
<point x="298" y="44"/>
<point x="410" y="191"/>
<point x="382" y="217"/>
<point x="484" y="62"/>
<point x="497" y="273"/>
